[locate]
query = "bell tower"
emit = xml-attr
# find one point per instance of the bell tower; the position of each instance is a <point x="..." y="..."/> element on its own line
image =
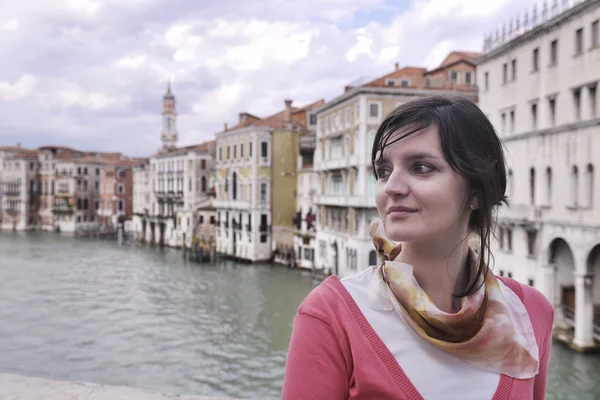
<point x="169" y="118"/>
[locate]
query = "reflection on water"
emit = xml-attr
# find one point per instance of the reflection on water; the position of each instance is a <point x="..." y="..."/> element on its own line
<point x="92" y="311"/>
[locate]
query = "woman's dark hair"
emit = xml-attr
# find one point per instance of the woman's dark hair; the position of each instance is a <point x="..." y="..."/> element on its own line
<point x="470" y="145"/>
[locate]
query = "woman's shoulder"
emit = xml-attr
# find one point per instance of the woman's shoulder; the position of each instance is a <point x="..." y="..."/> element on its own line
<point x="538" y="307"/>
<point x="327" y="301"/>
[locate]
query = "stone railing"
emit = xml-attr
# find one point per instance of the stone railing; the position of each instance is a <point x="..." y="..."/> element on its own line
<point x="16" y="387"/>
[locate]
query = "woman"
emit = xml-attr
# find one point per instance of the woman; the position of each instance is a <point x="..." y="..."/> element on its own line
<point x="431" y="321"/>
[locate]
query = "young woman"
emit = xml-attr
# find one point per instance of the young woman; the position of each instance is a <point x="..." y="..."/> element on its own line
<point x="431" y="321"/>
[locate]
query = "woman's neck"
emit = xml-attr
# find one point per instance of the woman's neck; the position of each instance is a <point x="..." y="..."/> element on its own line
<point x="439" y="271"/>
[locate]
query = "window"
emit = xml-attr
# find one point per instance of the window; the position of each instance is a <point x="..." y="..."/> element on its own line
<point x="337" y="184"/>
<point x="220" y="153"/>
<point x="203" y="164"/>
<point x="534" y="116"/>
<point x="535" y="62"/>
<point x="390" y="82"/>
<point x="531" y="240"/>
<point x="532" y="185"/>
<point x="234" y="151"/>
<point x="487" y="80"/>
<point x="593" y="99"/>
<point x="468" y="78"/>
<point x="234" y="186"/>
<point x="553" y="52"/>
<point x="263" y="192"/>
<point x="201" y="219"/>
<point x="504" y="73"/>
<point x="574" y="186"/>
<point x="313" y="119"/>
<point x="530" y="282"/>
<point x="97" y="171"/>
<point x="374" y="110"/>
<point x="427" y="82"/>
<point x="212" y="219"/>
<point x="513" y="67"/>
<point x="595" y="35"/>
<point x="405" y="83"/>
<point x="577" y="104"/>
<point x="509" y="239"/>
<point x="242" y="150"/>
<point x="589" y="186"/>
<point x="228" y="152"/>
<point x="250" y="149"/>
<point x="264" y="149"/>
<point x="512" y="121"/>
<point x="552" y="109"/>
<point x="503" y="122"/>
<point x="203" y="184"/>
<point x="454" y="76"/>
<point x="121" y="206"/>
<point x="548" y="186"/>
<point x="579" y="41"/>
<point x="336" y="148"/>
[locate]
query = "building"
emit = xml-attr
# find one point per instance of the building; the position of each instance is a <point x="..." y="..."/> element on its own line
<point x="346" y="128"/>
<point x="142" y="192"/>
<point x="5" y="152"/>
<point x="539" y="87"/>
<point x="256" y="183"/>
<point x="172" y="186"/>
<point x="115" y="203"/>
<point x="305" y="221"/>
<point x="20" y="189"/>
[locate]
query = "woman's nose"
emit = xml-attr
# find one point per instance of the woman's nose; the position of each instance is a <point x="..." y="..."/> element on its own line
<point x="396" y="184"/>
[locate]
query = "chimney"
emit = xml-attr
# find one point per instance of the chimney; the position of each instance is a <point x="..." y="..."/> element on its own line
<point x="397" y="66"/>
<point x="242" y="118"/>
<point x="287" y="115"/>
<point x="225" y="127"/>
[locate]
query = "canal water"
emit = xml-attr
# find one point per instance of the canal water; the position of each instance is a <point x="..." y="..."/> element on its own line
<point x="88" y="310"/>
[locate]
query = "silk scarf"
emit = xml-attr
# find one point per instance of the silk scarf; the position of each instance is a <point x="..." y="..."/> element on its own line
<point x="492" y="329"/>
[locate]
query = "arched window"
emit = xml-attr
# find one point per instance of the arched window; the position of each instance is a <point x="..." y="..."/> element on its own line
<point x="548" y="186"/>
<point x="203" y="184"/>
<point x="372" y="257"/>
<point x="574" y="186"/>
<point x="589" y="186"/>
<point x="532" y="185"/>
<point x="234" y="186"/>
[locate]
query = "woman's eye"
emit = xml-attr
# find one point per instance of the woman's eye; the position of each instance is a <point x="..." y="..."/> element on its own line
<point x="422" y="168"/>
<point x="382" y="172"/>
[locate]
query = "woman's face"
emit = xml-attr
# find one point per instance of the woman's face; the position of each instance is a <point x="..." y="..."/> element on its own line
<point x="419" y="196"/>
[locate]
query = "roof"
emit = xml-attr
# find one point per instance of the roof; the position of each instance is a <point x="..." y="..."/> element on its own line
<point x="415" y="75"/>
<point x="207" y="147"/>
<point x="278" y="120"/>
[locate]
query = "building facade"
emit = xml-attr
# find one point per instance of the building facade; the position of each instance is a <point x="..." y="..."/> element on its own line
<point x="539" y="87"/>
<point x="172" y="186"/>
<point x="116" y="192"/>
<point x="346" y="128"/>
<point x="20" y="190"/>
<point x="256" y="183"/>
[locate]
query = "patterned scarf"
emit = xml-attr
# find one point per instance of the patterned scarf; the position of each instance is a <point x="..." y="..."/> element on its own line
<point x="492" y="330"/>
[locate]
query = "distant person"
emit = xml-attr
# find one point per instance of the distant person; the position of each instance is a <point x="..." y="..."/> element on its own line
<point x="431" y="321"/>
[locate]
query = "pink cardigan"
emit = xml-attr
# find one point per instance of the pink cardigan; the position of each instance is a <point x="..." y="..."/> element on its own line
<point x="335" y="354"/>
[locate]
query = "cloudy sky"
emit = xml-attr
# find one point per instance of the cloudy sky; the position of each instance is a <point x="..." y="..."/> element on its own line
<point x="91" y="73"/>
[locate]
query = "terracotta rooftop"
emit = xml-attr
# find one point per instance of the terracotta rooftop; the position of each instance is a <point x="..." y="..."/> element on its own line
<point x="208" y="146"/>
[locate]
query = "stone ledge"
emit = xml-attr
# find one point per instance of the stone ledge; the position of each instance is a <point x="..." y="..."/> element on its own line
<point x="17" y="387"/>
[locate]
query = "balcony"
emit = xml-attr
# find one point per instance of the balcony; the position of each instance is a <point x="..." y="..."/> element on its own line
<point x="61" y="210"/>
<point x="265" y="228"/>
<point x="308" y="143"/>
<point x="12" y="193"/>
<point x="520" y="214"/>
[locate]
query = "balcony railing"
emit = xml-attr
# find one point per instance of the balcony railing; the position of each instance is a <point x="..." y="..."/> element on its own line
<point x="264" y="228"/>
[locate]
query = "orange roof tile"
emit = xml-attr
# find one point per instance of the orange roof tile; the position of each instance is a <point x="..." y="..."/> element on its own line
<point x="413" y="74"/>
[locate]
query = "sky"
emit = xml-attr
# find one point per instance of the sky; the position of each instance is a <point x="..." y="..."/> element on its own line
<point x="90" y="74"/>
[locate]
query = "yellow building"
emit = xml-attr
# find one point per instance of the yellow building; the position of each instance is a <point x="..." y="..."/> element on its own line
<point x="256" y="183"/>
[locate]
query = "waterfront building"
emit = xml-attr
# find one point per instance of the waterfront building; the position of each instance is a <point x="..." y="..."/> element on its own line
<point x="539" y="87"/>
<point x="115" y="203"/>
<point x="256" y="183"/>
<point x="346" y="128"/>
<point x="20" y="189"/>
<point x="142" y="192"/>
<point x="5" y="151"/>
<point x="173" y="185"/>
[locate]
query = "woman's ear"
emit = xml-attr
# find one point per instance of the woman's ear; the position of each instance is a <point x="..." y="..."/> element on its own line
<point x="474" y="201"/>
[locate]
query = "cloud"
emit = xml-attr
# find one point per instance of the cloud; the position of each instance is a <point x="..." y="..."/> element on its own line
<point x="20" y="89"/>
<point x="88" y="71"/>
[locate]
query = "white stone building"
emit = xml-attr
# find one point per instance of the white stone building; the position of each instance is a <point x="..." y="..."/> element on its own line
<point x="20" y="188"/>
<point x="173" y="185"/>
<point x="346" y="128"/>
<point x="539" y="87"/>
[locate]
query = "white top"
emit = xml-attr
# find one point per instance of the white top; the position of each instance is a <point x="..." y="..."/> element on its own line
<point x="422" y="362"/>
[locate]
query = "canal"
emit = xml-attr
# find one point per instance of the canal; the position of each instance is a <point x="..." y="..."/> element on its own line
<point x="88" y="310"/>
